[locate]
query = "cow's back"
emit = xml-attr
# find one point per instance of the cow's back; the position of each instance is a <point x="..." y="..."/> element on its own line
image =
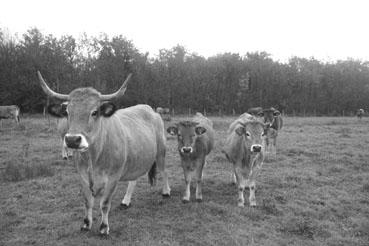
<point x="206" y="139"/>
<point x="142" y="132"/>
<point x="9" y="111"/>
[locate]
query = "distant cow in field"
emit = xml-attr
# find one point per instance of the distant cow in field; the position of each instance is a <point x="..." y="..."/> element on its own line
<point x="272" y="118"/>
<point x="111" y="145"/>
<point x="360" y="113"/>
<point x="244" y="148"/>
<point x="59" y="110"/>
<point x="254" y="111"/>
<point x="195" y="141"/>
<point x="10" y="112"/>
<point x="164" y="113"/>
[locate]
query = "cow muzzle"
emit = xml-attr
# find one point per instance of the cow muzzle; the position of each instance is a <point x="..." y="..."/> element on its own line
<point x="256" y="148"/>
<point x="76" y="141"/>
<point x="186" y="150"/>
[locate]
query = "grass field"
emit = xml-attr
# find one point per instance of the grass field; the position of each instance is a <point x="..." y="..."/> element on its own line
<point x="315" y="192"/>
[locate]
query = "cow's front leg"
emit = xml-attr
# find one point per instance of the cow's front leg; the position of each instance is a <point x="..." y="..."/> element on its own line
<point x="105" y="205"/>
<point x="199" y="180"/>
<point x="252" y="198"/>
<point x="126" y="202"/>
<point x="187" y="176"/>
<point x="241" y="184"/>
<point x="89" y="203"/>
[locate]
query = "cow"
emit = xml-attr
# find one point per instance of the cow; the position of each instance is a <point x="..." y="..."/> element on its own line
<point x="254" y="111"/>
<point x="111" y="145"/>
<point x="164" y="113"/>
<point x="359" y="113"/>
<point x="272" y="117"/>
<point x="10" y="111"/>
<point x="59" y="110"/>
<point x="244" y="148"/>
<point x="195" y="141"/>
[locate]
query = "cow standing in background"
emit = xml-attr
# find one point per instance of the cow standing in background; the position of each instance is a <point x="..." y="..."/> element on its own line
<point x="59" y="110"/>
<point x="360" y="112"/>
<point x="254" y="111"/>
<point x="195" y="141"/>
<point x="10" y="112"/>
<point x="164" y="113"/>
<point x="244" y="148"/>
<point x="111" y="145"/>
<point x="273" y="119"/>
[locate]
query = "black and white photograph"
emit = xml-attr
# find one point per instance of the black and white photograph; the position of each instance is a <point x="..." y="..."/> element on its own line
<point x="152" y="123"/>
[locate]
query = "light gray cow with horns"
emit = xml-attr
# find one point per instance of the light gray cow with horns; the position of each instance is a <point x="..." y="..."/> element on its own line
<point x="111" y="145"/>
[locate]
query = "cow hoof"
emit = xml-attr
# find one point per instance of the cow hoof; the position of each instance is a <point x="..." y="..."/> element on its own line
<point x="124" y="206"/>
<point x="185" y="201"/>
<point x="104" y="230"/>
<point x="85" y="228"/>
<point x="241" y="205"/>
<point x="165" y="195"/>
<point x="198" y="199"/>
<point x="253" y="205"/>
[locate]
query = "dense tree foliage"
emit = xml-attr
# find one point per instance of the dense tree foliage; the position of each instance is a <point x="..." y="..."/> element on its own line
<point x="176" y="78"/>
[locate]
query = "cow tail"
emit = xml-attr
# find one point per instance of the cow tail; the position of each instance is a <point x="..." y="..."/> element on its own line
<point x="152" y="175"/>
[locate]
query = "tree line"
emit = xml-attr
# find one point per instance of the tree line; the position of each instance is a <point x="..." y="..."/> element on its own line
<point x="176" y="78"/>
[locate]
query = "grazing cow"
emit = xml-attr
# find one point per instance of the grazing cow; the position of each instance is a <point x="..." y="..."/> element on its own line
<point x="11" y="111"/>
<point x="59" y="110"/>
<point x="111" y="145"/>
<point x="272" y="117"/>
<point x="254" y="111"/>
<point x="164" y="113"/>
<point x="244" y="148"/>
<point x="195" y="141"/>
<point x="360" y="112"/>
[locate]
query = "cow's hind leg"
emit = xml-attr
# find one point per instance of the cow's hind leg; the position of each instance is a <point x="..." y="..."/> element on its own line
<point x="89" y="203"/>
<point x="105" y="205"/>
<point x="160" y="162"/>
<point x="126" y="202"/>
<point x="199" y="181"/>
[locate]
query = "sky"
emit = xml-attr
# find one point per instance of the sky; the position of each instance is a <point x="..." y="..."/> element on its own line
<point x="325" y="29"/>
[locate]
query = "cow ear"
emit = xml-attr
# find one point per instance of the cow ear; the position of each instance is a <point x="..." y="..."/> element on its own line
<point x="200" y="130"/>
<point x="57" y="110"/>
<point x="107" y="109"/>
<point x="276" y="113"/>
<point x="240" y="130"/>
<point x="172" y="130"/>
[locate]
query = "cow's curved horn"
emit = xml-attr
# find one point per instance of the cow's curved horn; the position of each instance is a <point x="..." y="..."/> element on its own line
<point x="119" y="92"/>
<point x="50" y="92"/>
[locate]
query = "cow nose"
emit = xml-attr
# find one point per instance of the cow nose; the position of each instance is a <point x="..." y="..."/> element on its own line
<point x="73" y="141"/>
<point x="256" y="148"/>
<point x="186" y="149"/>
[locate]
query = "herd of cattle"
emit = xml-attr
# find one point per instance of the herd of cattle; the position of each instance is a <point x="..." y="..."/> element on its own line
<point x="111" y="144"/>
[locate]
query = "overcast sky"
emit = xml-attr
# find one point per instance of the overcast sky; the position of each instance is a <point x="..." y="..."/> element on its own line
<point x="325" y="29"/>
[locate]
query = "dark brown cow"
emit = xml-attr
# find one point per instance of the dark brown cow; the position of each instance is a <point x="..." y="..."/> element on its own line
<point x="195" y="141"/>
<point x="272" y="118"/>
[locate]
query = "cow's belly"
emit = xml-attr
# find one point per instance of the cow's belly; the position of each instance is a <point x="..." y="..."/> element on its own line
<point x="136" y="167"/>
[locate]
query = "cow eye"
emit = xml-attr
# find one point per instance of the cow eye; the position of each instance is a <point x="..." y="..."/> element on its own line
<point x="94" y="113"/>
<point x="247" y="134"/>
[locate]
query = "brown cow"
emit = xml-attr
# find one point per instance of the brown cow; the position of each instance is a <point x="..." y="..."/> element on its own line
<point x="11" y="111"/>
<point x="195" y="141"/>
<point x="244" y="148"/>
<point x="164" y="113"/>
<point x="111" y="145"/>
<point x="272" y="117"/>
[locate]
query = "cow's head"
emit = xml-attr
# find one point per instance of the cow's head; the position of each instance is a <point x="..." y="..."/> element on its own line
<point x="253" y="133"/>
<point x="269" y="115"/>
<point x="187" y="133"/>
<point x="84" y="108"/>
